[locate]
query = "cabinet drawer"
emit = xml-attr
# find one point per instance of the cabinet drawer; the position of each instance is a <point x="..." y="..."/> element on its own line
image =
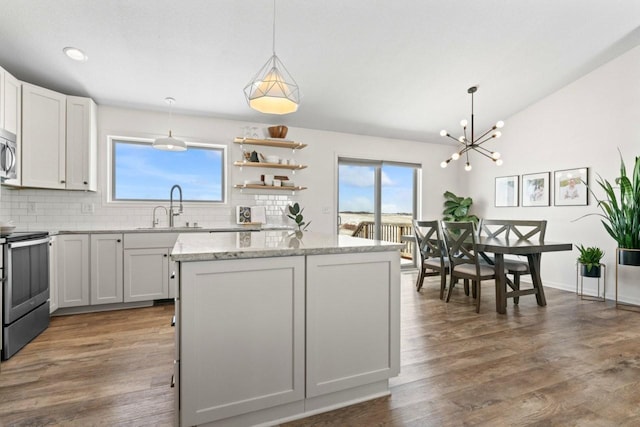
<point x="150" y="240"/>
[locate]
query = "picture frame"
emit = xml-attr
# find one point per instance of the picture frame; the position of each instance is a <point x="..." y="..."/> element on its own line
<point x="570" y="187"/>
<point x="536" y="189"/>
<point x="506" y="191"/>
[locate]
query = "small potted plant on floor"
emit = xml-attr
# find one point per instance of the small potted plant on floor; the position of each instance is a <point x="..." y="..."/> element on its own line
<point x="589" y="260"/>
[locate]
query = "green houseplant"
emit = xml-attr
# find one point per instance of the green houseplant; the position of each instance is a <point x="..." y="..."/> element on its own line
<point x="621" y="211"/>
<point x="457" y="208"/>
<point x="589" y="259"/>
<point x="295" y="213"/>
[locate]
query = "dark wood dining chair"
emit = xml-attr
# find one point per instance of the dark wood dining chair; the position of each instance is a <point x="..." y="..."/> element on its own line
<point x="520" y="230"/>
<point x="431" y="257"/>
<point x="464" y="259"/>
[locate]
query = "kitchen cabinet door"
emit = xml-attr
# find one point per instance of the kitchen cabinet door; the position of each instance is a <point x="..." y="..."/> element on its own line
<point x="82" y="143"/>
<point x="11" y="117"/>
<point x="146" y="274"/>
<point x="9" y="102"/>
<point x="241" y="337"/>
<point x="106" y="268"/>
<point x="73" y="270"/>
<point x="43" y="137"/>
<point x="353" y="309"/>
<point x="53" y="273"/>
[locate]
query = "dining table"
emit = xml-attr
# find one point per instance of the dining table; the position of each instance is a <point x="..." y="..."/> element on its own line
<point x="533" y="250"/>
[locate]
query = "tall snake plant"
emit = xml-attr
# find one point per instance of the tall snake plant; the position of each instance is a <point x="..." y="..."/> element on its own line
<point x="621" y="213"/>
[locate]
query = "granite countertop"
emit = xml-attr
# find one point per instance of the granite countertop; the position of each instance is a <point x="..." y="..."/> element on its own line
<point x="238" y="245"/>
<point x="214" y="229"/>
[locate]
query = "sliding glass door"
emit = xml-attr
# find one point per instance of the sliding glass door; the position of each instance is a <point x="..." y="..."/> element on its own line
<point x="377" y="200"/>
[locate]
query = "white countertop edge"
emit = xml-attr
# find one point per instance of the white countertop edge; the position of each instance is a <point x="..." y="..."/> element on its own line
<point x="238" y="245"/>
<point x="270" y="253"/>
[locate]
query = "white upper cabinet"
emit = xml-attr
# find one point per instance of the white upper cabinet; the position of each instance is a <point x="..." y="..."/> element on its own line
<point x="43" y="137"/>
<point x="11" y="115"/>
<point x="9" y="102"/>
<point x="59" y="140"/>
<point x="82" y="144"/>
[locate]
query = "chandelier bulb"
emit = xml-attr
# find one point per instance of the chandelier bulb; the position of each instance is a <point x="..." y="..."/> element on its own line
<point x="443" y="164"/>
<point x="498" y="134"/>
<point x="467" y="167"/>
<point x="500" y="124"/>
<point x="455" y="156"/>
<point x="495" y="155"/>
<point x="461" y="139"/>
<point x="443" y="132"/>
<point x="463" y="123"/>
<point x="499" y="162"/>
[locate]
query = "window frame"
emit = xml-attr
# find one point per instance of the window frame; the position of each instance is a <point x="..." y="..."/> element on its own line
<point x="110" y="173"/>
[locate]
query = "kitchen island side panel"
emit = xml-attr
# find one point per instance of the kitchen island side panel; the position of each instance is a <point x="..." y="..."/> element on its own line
<point x="242" y="336"/>
<point x="353" y="320"/>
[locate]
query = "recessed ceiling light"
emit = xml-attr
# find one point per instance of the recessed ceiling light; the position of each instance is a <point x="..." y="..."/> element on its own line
<point x="75" y="54"/>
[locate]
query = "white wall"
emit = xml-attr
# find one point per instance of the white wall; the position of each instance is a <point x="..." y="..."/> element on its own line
<point x="582" y="125"/>
<point x="62" y="210"/>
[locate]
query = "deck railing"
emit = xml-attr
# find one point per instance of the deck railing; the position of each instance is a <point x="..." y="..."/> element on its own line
<point x="389" y="232"/>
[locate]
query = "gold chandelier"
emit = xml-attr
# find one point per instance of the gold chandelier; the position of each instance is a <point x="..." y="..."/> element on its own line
<point x="474" y="143"/>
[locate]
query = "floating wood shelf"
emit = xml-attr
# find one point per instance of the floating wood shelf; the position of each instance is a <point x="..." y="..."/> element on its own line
<point x="268" y="165"/>
<point x="270" y="143"/>
<point x="267" y="187"/>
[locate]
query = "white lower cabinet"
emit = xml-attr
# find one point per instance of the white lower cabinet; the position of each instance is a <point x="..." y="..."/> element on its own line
<point x="53" y="273"/>
<point x="266" y="339"/>
<point x="109" y="268"/>
<point x="146" y="274"/>
<point x="241" y="337"/>
<point x="106" y="269"/>
<point x="73" y="270"/>
<point x="353" y="309"/>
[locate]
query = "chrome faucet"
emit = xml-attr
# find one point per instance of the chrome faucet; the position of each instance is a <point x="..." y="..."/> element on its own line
<point x="171" y="212"/>
<point x="157" y="220"/>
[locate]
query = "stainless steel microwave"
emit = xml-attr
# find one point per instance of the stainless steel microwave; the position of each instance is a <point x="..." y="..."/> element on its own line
<point x="7" y="155"/>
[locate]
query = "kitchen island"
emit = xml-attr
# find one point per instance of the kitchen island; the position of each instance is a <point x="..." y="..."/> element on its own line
<point x="278" y="325"/>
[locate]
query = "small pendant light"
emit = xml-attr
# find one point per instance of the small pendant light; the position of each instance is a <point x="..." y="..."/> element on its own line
<point x="273" y="90"/>
<point x="170" y="143"/>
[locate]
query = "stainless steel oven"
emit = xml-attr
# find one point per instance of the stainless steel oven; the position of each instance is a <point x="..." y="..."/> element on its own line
<point x="25" y="282"/>
<point x="7" y="155"/>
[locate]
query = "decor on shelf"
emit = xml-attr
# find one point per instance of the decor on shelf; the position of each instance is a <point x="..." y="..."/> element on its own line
<point x="278" y="131"/>
<point x="272" y="90"/>
<point x="535" y="189"/>
<point x="474" y="143"/>
<point x="589" y="259"/>
<point x="170" y="143"/>
<point x="571" y="187"/>
<point x="457" y="208"/>
<point x="295" y="213"/>
<point x="506" y="192"/>
<point x="621" y="212"/>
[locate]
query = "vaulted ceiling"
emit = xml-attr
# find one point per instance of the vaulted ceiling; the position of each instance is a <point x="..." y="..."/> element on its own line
<point x="391" y="68"/>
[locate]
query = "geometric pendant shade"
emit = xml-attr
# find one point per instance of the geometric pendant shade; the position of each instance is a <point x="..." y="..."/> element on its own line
<point x="272" y="90"/>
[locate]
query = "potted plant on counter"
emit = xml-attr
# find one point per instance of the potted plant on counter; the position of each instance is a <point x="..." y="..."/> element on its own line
<point x="589" y="260"/>
<point x="621" y="212"/>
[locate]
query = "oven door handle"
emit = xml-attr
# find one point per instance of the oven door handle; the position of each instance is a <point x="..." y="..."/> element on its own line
<point x="29" y="243"/>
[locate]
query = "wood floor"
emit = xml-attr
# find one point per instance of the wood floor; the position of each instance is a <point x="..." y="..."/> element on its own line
<point x="573" y="362"/>
<point x="100" y="369"/>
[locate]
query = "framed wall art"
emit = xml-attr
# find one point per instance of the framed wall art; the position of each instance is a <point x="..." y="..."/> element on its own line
<point x="570" y="187"/>
<point x="506" y="193"/>
<point x="536" y="189"/>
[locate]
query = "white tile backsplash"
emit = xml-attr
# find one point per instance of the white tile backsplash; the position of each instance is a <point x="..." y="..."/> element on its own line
<point x="35" y="209"/>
